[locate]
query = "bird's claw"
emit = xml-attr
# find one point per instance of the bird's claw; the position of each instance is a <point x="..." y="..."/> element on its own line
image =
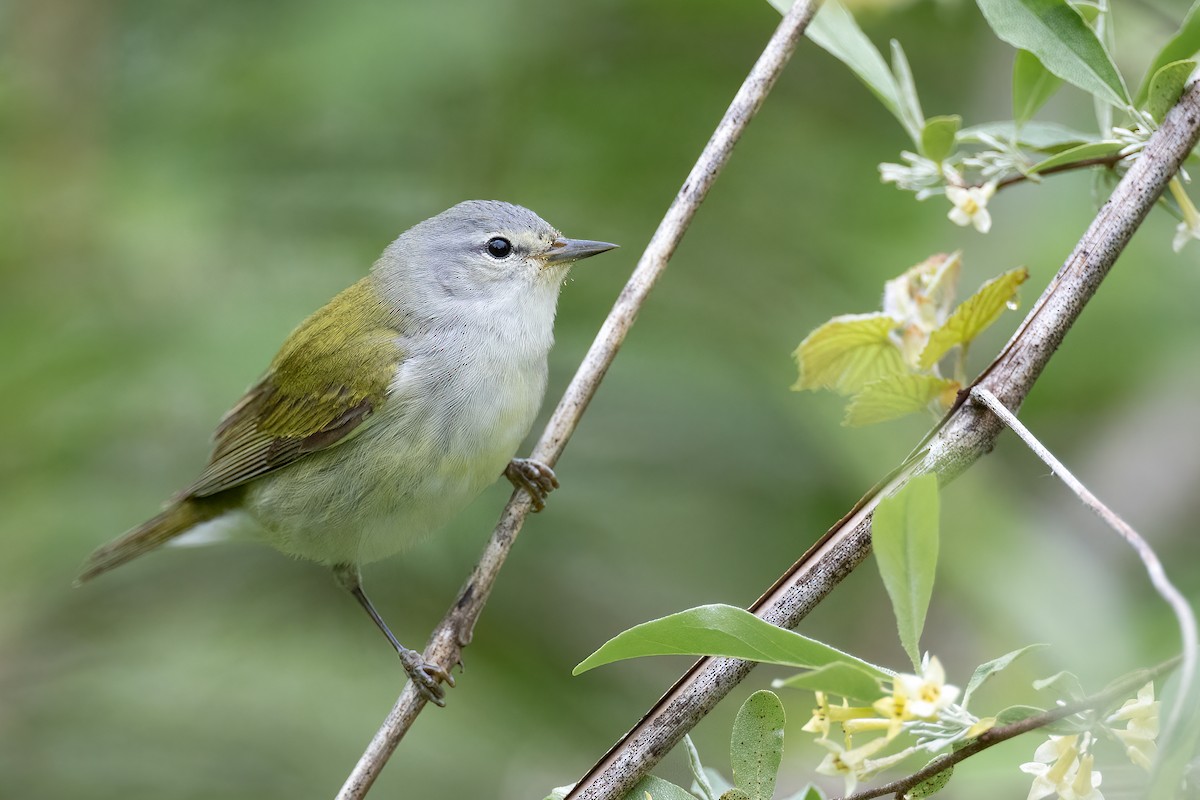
<point x="534" y="477"/>
<point x="427" y="678"/>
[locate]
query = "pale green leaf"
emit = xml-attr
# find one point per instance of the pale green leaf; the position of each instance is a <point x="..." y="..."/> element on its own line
<point x="1016" y="713"/>
<point x="652" y="788"/>
<point x="931" y="785"/>
<point x="756" y="746"/>
<point x="938" y="137"/>
<point x="986" y="670"/>
<point x="904" y="536"/>
<point x="735" y="794"/>
<point x="720" y="630"/>
<point x="1184" y="44"/>
<point x="1065" y="686"/>
<point x="835" y="31"/>
<point x="700" y="781"/>
<point x="1045" y="137"/>
<point x="912" y="117"/>
<point x="1062" y="41"/>
<point x="1032" y="86"/>
<point x="973" y="316"/>
<point x="1166" y="86"/>
<point x="809" y="792"/>
<point x="1083" y="152"/>
<point x="890" y="398"/>
<point x="847" y="353"/>
<point x="843" y="680"/>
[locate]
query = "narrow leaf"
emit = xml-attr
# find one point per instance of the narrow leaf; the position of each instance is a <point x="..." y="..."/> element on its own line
<point x="1045" y="137"/>
<point x="1083" y="152"/>
<point x="1166" y="86"/>
<point x="1065" y="685"/>
<point x="652" y="788"/>
<point x="973" y="316"/>
<point x="843" y="680"/>
<point x="700" y="781"/>
<point x="1033" y="85"/>
<point x="912" y="116"/>
<point x="1054" y="32"/>
<point x="894" y="397"/>
<point x="986" y="670"/>
<point x="1184" y="44"/>
<point x="938" y="137"/>
<point x="931" y="785"/>
<point x="904" y="535"/>
<point x="756" y="746"/>
<point x="847" y="353"/>
<point x="720" y="630"/>
<point x="1015" y="714"/>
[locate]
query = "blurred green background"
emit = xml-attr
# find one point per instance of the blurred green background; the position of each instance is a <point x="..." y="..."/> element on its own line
<point x="182" y="182"/>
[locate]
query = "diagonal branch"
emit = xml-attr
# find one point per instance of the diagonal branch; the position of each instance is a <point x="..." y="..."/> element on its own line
<point x="966" y="432"/>
<point x="454" y="632"/>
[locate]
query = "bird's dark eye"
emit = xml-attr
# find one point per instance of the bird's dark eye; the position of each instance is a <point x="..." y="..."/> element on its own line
<point x="499" y="247"/>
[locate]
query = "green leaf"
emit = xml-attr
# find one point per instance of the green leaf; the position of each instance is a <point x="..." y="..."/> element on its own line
<point x="1015" y="714"/>
<point x="1083" y="152"/>
<point x="1033" y="85"/>
<point x="1046" y="137"/>
<point x="931" y="785"/>
<point x="847" y="353"/>
<point x="809" y="792"/>
<point x="890" y="398"/>
<point x="1166" y="86"/>
<point x="904" y="535"/>
<point x="986" y="670"/>
<point x="1062" y="41"/>
<point x="652" y="788"/>
<point x="843" y="680"/>
<point x="912" y="117"/>
<point x="1065" y="685"/>
<point x="973" y="316"/>
<point x="700" y="781"/>
<point x="835" y="31"/>
<point x="735" y="794"/>
<point x="938" y="137"/>
<point x="720" y="630"/>
<point x="756" y="747"/>
<point x="1183" y="44"/>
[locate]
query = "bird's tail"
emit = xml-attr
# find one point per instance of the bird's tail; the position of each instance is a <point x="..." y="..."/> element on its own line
<point x="177" y="518"/>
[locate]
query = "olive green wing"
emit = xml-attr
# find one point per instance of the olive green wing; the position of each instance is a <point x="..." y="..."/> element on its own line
<point x="329" y="378"/>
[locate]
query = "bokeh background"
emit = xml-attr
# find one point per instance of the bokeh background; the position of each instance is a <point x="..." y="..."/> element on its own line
<point x="181" y="183"/>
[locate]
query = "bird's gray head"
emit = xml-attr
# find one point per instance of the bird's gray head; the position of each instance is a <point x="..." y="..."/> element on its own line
<point x="482" y="250"/>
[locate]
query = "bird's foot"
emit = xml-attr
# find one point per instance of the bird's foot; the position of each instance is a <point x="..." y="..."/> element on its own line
<point x="428" y="678"/>
<point x="534" y="477"/>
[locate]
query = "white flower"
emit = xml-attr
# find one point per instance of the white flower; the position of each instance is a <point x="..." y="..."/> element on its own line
<point x="848" y="762"/>
<point x="1141" y="726"/>
<point x="920" y="174"/>
<point x="970" y="205"/>
<point x="925" y="695"/>
<point x="1062" y="769"/>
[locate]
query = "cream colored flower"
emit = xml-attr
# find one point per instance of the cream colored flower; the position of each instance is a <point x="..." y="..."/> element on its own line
<point x="970" y="205"/>
<point x="1140" y="716"/>
<point x="925" y="695"/>
<point x="848" y="762"/>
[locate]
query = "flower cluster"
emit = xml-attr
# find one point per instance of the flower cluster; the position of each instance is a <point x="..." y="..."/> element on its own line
<point x="921" y="705"/>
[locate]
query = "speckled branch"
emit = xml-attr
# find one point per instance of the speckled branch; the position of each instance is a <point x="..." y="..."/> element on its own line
<point x="454" y="632"/>
<point x="967" y="432"/>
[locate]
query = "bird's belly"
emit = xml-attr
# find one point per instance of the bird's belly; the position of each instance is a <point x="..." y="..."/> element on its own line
<point x="402" y="478"/>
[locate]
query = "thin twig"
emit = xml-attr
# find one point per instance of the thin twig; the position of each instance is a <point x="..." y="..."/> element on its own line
<point x="1102" y="161"/>
<point x="964" y="434"/>
<point x="1154" y="568"/>
<point x="1002" y="733"/>
<point x="455" y="630"/>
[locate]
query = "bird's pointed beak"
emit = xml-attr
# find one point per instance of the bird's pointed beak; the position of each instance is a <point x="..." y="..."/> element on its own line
<point x="564" y="251"/>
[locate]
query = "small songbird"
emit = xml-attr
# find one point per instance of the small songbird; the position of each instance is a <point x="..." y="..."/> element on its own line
<point x="389" y="409"/>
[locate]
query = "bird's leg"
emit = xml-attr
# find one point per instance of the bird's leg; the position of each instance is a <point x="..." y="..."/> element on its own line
<point x="534" y="477"/>
<point x="428" y="678"/>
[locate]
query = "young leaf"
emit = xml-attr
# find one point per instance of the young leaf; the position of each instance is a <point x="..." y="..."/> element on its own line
<point x="658" y="789"/>
<point x="834" y="30"/>
<point x="847" y="353"/>
<point x="973" y="316"/>
<point x="1054" y="32"/>
<point x="1083" y="152"/>
<point x="1015" y="714"/>
<point x="1064" y="684"/>
<point x="1166" y="86"/>
<point x="912" y="116"/>
<point x="990" y="668"/>
<point x="700" y="781"/>
<point x="904" y="535"/>
<point x="843" y="680"/>
<point x="720" y="630"/>
<point x="809" y="792"/>
<point x="1045" y="137"/>
<point x="756" y="747"/>
<point x="890" y="398"/>
<point x="1032" y="86"/>
<point x="1184" y="44"/>
<point x="938" y="136"/>
<point x="931" y="785"/>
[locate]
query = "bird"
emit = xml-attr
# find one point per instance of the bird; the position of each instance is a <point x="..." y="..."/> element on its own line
<point x="389" y="409"/>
